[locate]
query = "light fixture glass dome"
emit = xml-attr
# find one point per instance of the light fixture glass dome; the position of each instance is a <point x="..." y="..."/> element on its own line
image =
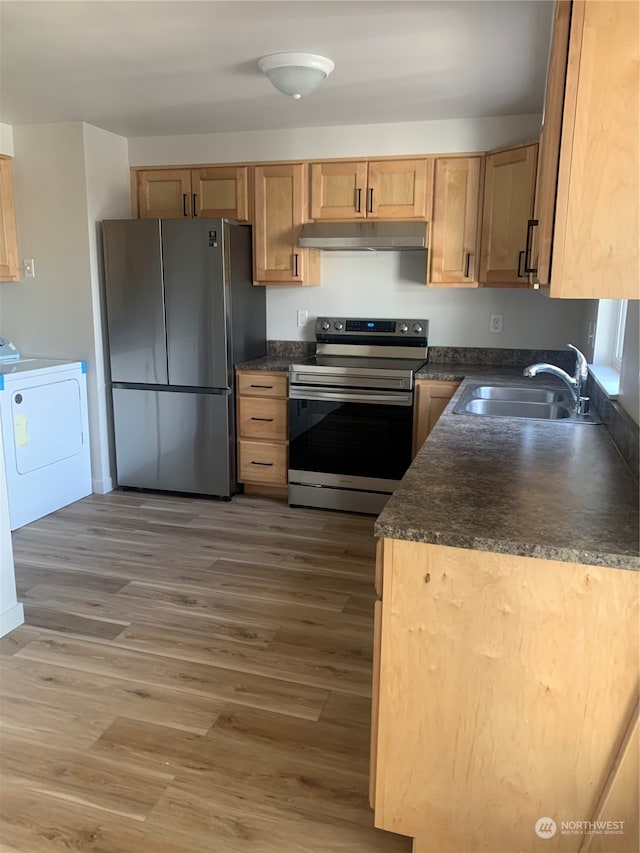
<point x="296" y="74"/>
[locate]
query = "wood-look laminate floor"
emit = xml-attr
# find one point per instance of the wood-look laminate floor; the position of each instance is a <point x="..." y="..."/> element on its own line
<point x="192" y="675"/>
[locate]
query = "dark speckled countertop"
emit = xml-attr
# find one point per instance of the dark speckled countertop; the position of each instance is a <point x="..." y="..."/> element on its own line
<point x="551" y="490"/>
<point x="278" y="363"/>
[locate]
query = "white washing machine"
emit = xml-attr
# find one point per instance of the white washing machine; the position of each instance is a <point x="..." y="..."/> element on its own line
<point x="45" y="426"/>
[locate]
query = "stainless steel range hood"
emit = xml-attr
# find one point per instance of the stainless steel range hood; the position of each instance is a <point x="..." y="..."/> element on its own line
<point x="376" y="236"/>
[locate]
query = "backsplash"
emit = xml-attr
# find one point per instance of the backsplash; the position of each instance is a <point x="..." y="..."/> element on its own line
<point x="501" y="357"/>
<point x="621" y="427"/>
<point x="290" y="349"/>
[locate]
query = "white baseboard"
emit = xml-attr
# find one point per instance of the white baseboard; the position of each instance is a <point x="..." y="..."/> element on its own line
<point x="101" y="487"/>
<point x="11" y="618"/>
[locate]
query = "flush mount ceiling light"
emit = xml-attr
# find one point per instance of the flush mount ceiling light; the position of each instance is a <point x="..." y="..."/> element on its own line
<point x="296" y="74"/>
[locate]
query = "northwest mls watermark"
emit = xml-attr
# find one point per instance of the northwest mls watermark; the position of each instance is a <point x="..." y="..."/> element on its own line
<point x="546" y="827"/>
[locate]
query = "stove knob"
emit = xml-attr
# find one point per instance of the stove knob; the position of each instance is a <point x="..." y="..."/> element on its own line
<point x="325" y="326"/>
<point x="417" y="328"/>
<point x="338" y="325"/>
<point x="404" y="328"/>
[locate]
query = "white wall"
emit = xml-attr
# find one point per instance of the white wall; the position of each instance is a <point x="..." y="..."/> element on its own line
<point x="363" y="140"/>
<point x="629" y="396"/>
<point x="58" y="195"/>
<point x="6" y="139"/>
<point x="108" y="197"/>
<point x="390" y="284"/>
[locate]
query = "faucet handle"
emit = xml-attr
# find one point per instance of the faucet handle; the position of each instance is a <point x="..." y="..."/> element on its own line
<point x="582" y="372"/>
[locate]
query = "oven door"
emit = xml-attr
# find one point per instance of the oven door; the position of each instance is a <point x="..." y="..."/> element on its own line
<point x="349" y="438"/>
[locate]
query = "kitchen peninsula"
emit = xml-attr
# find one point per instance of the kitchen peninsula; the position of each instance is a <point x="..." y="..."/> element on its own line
<point x="506" y="637"/>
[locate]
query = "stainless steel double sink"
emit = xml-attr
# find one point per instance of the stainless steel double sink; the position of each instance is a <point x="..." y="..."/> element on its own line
<point x="515" y="401"/>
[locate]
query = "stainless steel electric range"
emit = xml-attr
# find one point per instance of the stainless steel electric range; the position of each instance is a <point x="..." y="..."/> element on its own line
<point x="351" y="412"/>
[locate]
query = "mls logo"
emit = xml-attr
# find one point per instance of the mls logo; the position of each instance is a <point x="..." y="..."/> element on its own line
<point x="546" y="827"/>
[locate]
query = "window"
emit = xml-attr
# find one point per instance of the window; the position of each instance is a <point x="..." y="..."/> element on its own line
<point x="619" y="334"/>
<point x="607" y="355"/>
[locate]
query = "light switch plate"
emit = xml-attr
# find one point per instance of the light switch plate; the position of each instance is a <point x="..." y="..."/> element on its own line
<point x="29" y="267"/>
<point x="303" y="316"/>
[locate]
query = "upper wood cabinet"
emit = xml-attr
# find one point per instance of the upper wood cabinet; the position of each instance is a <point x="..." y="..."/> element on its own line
<point x="454" y="224"/>
<point x="374" y="189"/>
<point x="509" y="186"/>
<point x="178" y="193"/>
<point x="279" y="211"/>
<point x="585" y="233"/>
<point x="9" y="262"/>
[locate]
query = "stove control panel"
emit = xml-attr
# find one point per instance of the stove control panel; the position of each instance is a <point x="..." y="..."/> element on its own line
<point x="369" y="328"/>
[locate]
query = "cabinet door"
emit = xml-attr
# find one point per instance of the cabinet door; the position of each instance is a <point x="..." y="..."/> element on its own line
<point x="431" y="397"/>
<point x="164" y="194"/>
<point x="220" y="191"/>
<point x="549" y="154"/>
<point x="9" y="263"/>
<point x="399" y="189"/>
<point x="454" y="231"/>
<point x="338" y="190"/>
<point x="509" y="183"/>
<point x="280" y="196"/>
<point x="596" y="231"/>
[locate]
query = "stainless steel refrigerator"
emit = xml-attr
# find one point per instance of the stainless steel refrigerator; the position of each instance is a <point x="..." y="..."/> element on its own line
<point x="181" y="310"/>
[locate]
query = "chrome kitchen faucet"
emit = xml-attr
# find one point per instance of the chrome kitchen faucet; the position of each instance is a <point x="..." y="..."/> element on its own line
<point x="576" y="383"/>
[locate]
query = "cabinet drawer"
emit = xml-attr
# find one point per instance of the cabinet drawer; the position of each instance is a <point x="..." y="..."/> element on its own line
<point x="262" y="418"/>
<point x="261" y="462"/>
<point x="263" y="384"/>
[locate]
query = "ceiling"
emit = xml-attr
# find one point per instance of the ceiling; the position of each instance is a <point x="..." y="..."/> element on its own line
<point x="149" y="68"/>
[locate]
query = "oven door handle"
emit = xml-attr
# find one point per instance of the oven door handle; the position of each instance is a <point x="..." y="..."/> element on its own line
<point x="339" y="396"/>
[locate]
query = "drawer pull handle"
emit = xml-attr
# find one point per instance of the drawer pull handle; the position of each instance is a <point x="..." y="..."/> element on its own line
<point x="264" y="464"/>
<point x="267" y="420"/>
<point x="260" y="386"/>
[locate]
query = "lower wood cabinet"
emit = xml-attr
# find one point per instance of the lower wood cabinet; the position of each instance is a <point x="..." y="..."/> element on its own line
<point x="430" y="399"/>
<point x="504" y="690"/>
<point x="262" y="428"/>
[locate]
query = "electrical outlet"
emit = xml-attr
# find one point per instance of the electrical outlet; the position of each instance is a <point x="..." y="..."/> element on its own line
<point x="29" y="267"/>
<point x="495" y="323"/>
<point x="303" y="316"/>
